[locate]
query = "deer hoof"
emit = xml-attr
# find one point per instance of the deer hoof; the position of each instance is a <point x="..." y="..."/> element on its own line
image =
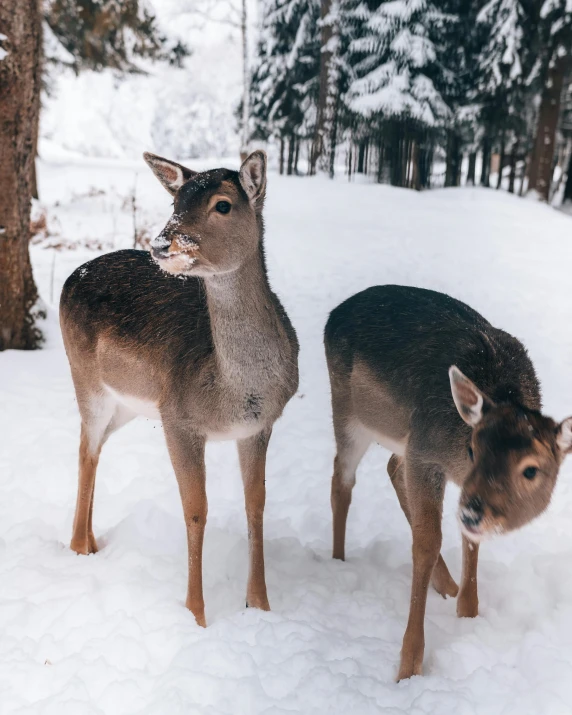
<point x="260" y="602"/>
<point x="84" y="546"/>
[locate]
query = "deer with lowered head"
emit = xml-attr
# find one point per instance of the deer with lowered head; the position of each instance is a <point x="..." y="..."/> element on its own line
<point x="454" y="399"/>
<point x="190" y="334"/>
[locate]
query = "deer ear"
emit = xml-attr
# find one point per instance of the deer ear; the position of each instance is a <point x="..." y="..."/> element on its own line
<point x="564" y="435"/>
<point x="252" y="177"/>
<point x="169" y="173"/>
<point x="469" y="400"/>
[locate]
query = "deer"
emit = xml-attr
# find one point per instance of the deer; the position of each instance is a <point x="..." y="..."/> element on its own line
<point x="192" y="334"/>
<point x="455" y="400"/>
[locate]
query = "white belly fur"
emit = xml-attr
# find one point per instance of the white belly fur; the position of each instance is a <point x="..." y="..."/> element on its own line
<point x="392" y="445"/>
<point x="239" y="431"/>
<point x="149" y="409"/>
<point x="146" y="408"/>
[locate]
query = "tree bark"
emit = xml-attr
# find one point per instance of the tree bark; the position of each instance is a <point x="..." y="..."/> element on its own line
<point x="281" y="169"/>
<point x="291" y="152"/>
<point x="501" y="160"/>
<point x="472" y="168"/>
<point x="513" y="159"/>
<point x="20" y="76"/>
<point x="486" y="167"/>
<point x="361" y="158"/>
<point x="453" y="161"/>
<point x="541" y="169"/>
<point x="568" y="187"/>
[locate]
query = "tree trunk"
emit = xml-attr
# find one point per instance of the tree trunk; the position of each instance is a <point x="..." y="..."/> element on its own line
<point x="541" y="169"/>
<point x="486" y="167"/>
<point x="281" y="169"/>
<point x="20" y="76"/>
<point x="361" y="158"/>
<point x="320" y="156"/>
<point x="245" y="84"/>
<point x="290" y="155"/>
<point x="513" y="158"/>
<point x="501" y="160"/>
<point x="472" y="168"/>
<point x="454" y="160"/>
<point x="568" y="187"/>
<point x="296" y="156"/>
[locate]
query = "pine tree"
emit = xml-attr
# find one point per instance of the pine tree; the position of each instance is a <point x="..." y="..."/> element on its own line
<point x="284" y="80"/>
<point x="398" y="76"/>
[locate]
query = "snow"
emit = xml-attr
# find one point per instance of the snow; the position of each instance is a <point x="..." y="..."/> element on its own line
<point x="109" y="634"/>
<point x="187" y="111"/>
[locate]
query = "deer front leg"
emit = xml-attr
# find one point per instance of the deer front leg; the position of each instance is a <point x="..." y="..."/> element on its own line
<point x="187" y="453"/>
<point x="427" y="488"/>
<point x="441" y="579"/>
<point x="468" y="600"/>
<point x="252" y="456"/>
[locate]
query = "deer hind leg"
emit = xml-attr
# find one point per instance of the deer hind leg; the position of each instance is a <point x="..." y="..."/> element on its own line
<point x="187" y="451"/>
<point x="101" y="416"/>
<point x="352" y="442"/>
<point x="427" y="484"/>
<point x="468" y="601"/>
<point x="441" y="579"/>
<point x="252" y="455"/>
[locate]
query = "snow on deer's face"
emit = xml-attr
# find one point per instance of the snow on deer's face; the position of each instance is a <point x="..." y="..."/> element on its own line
<point x="215" y="225"/>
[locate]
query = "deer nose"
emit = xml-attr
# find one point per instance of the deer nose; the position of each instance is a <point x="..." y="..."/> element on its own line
<point x="472" y="513"/>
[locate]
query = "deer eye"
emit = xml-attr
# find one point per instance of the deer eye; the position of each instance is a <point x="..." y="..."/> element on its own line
<point x="530" y="472"/>
<point x="223" y="207"/>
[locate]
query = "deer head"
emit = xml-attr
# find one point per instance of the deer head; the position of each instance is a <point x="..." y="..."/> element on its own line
<point x="516" y="455"/>
<point x="216" y="223"/>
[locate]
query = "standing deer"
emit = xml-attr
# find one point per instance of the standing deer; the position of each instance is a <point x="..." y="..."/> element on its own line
<point x="192" y="335"/>
<point x="395" y="356"/>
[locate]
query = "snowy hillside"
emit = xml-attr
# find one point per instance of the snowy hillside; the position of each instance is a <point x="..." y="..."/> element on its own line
<point x="108" y="634"/>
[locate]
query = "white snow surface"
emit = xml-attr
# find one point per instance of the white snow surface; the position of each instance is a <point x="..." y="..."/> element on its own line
<point x="109" y="633"/>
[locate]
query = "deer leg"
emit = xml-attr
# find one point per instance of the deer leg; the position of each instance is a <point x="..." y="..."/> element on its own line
<point x="352" y="444"/>
<point x="252" y="456"/>
<point x="468" y="601"/>
<point x="426" y="483"/>
<point x="97" y="425"/>
<point x="441" y="579"/>
<point x="187" y="453"/>
<point x="83" y="540"/>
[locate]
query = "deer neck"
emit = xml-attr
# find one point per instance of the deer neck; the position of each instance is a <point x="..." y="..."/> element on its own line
<point x="246" y="329"/>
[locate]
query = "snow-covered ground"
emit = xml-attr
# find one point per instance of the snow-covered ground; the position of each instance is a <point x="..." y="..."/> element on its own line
<point x="109" y="634"/>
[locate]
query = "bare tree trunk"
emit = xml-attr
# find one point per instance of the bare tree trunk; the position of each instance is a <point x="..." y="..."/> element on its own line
<point x="454" y="160"/>
<point x="296" y="156"/>
<point x="20" y="75"/>
<point x="245" y="84"/>
<point x="541" y="169"/>
<point x="568" y="187"/>
<point x="281" y="155"/>
<point x="415" y="177"/>
<point x="486" y="167"/>
<point x="291" y="142"/>
<point x="513" y="158"/>
<point x="472" y="168"/>
<point x="501" y="160"/>
<point x="327" y="101"/>
<point x="361" y="158"/>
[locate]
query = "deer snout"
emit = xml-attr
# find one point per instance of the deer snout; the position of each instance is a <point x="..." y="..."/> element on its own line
<point x="471" y="516"/>
<point x="160" y="245"/>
